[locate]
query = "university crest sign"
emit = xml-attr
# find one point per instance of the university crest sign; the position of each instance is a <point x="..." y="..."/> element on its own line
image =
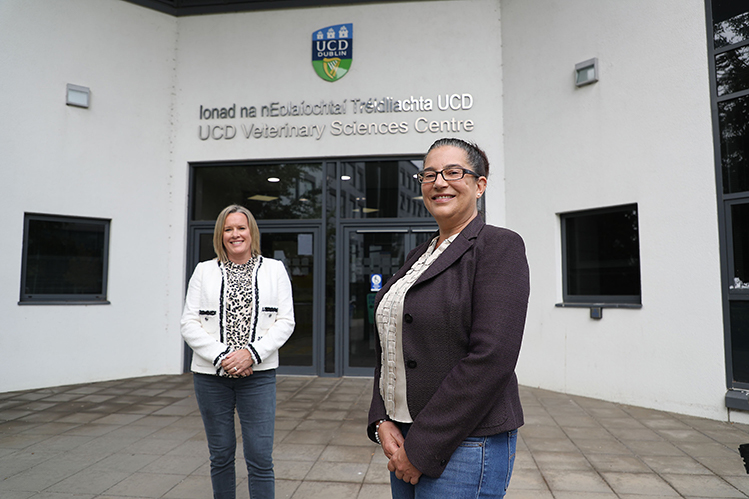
<point x="332" y="49"/>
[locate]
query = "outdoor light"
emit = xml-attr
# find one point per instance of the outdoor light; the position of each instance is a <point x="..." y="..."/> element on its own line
<point x="345" y="177"/>
<point x="586" y="72"/>
<point x="78" y="96"/>
<point x="274" y="179"/>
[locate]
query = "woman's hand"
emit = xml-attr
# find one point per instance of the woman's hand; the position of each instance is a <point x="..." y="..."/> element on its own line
<point x="238" y="363"/>
<point x="391" y="440"/>
<point x="403" y="468"/>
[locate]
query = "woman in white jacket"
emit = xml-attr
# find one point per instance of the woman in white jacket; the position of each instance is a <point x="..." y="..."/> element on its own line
<point x="238" y="312"/>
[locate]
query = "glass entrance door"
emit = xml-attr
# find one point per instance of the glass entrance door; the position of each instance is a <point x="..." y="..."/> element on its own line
<point x="296" y="247"/>
<point x="372" y="256"/>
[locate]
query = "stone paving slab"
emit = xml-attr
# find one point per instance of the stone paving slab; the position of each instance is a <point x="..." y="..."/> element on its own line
<point x="634" y="453"/>
<point x="143" y="438"/>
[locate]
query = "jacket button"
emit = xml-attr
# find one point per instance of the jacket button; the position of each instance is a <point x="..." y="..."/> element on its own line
<point x="408" y="318"/>
<point x="411" y="364"/>
<point x="443" y="462"/>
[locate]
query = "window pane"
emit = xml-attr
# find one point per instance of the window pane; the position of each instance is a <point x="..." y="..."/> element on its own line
<point x="277" y="191"/>
<point x="730" y="22"/>
<point x="294" y="249"/>
<point x="205" y="248"/>
<point x="603" y="254"/>
<point x="378" y="192"/>
<point x="732" y="70"/>
<point x="370" y="253"/>
<point x="739" y="311"/>
<point x="740" y="235"/>
<point x="64" y="257"/>
<point x="733" y="118"/>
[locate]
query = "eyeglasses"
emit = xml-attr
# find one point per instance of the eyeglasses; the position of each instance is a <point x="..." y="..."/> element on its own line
<point x="449" y="174"/>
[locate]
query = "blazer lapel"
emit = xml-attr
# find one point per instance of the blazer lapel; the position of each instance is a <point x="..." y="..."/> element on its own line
<point x="452" y="253"/>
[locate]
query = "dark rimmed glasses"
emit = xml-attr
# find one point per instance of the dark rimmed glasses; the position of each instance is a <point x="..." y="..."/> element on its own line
<point x="449" y="174"/>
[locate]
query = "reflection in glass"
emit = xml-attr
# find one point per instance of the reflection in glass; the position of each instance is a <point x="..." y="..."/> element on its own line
<point x="733" y="117"/>
<point x="739" y="312"/>
<point x="294" y="249"/>
<point x="274" y="191"/>
<point x="730" y="22"/>
<point x="205" y="247"/>
<point x="422" y="237"/>
<point x="369" y="253"/>
<point x="65" y="257"/>
<point x="732" y="70"/>
<point x="740" y="236"/>
<point x="381" y="189"/>
<point x="603" y="254"/>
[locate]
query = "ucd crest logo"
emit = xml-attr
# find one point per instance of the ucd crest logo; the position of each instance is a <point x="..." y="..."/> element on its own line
<point x="332" y="49"/>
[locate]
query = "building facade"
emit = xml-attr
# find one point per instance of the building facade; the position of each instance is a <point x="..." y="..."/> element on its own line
<point x="615" y="130"/>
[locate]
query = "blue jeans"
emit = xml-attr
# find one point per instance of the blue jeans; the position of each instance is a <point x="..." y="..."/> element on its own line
<point x="254" y="398"/>
<point x="479" y="468"/>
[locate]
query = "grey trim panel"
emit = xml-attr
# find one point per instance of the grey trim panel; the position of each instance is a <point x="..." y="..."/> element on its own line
<point x="737" y="399"/>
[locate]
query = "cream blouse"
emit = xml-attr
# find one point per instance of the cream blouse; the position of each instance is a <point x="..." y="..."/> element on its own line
<point x="390" y="330"/>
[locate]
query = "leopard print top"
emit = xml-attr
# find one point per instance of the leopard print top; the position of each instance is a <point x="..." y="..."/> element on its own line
<point x="241" y="303"/>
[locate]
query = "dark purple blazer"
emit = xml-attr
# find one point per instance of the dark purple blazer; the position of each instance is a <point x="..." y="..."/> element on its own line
<point x="463" y="323"/>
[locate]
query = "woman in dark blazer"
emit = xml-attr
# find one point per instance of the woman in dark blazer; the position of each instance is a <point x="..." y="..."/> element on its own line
<point x="445" y="406"/>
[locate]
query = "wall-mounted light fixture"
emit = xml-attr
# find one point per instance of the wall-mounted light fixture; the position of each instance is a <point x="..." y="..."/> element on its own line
<point x="586" y="72"/>
<point x="78" y="96"/>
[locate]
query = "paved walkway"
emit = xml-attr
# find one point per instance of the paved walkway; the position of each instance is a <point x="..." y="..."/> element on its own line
<point x="143" y="438"/>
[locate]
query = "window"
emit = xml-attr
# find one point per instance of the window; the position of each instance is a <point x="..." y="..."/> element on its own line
<point x="270" y="191"/>
<point x="728" y="46"/>
<point x="601" y="256"/>
<point x="64" y="259"/>
<point x="385" y="191"/>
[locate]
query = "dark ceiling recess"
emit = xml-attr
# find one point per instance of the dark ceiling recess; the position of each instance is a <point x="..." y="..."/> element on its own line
<point x="198" y="7"/>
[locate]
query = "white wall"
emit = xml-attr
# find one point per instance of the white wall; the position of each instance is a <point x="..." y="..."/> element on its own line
<point x="420" y="49"/>
<point x="126" y="158"/>
<point x="643" y="135"/>
<point x="109" y="161"/>
<point x="640" y="135"/>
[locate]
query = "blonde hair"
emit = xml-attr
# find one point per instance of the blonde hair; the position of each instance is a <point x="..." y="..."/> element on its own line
<point x="218" y="231"/>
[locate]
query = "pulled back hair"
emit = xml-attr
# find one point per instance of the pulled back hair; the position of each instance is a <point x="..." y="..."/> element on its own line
<point x="477" y="159"/>
<point x="218" y="231"/>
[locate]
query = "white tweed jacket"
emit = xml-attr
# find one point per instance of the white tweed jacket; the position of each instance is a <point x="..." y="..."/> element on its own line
<point x="204" y="318"/>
